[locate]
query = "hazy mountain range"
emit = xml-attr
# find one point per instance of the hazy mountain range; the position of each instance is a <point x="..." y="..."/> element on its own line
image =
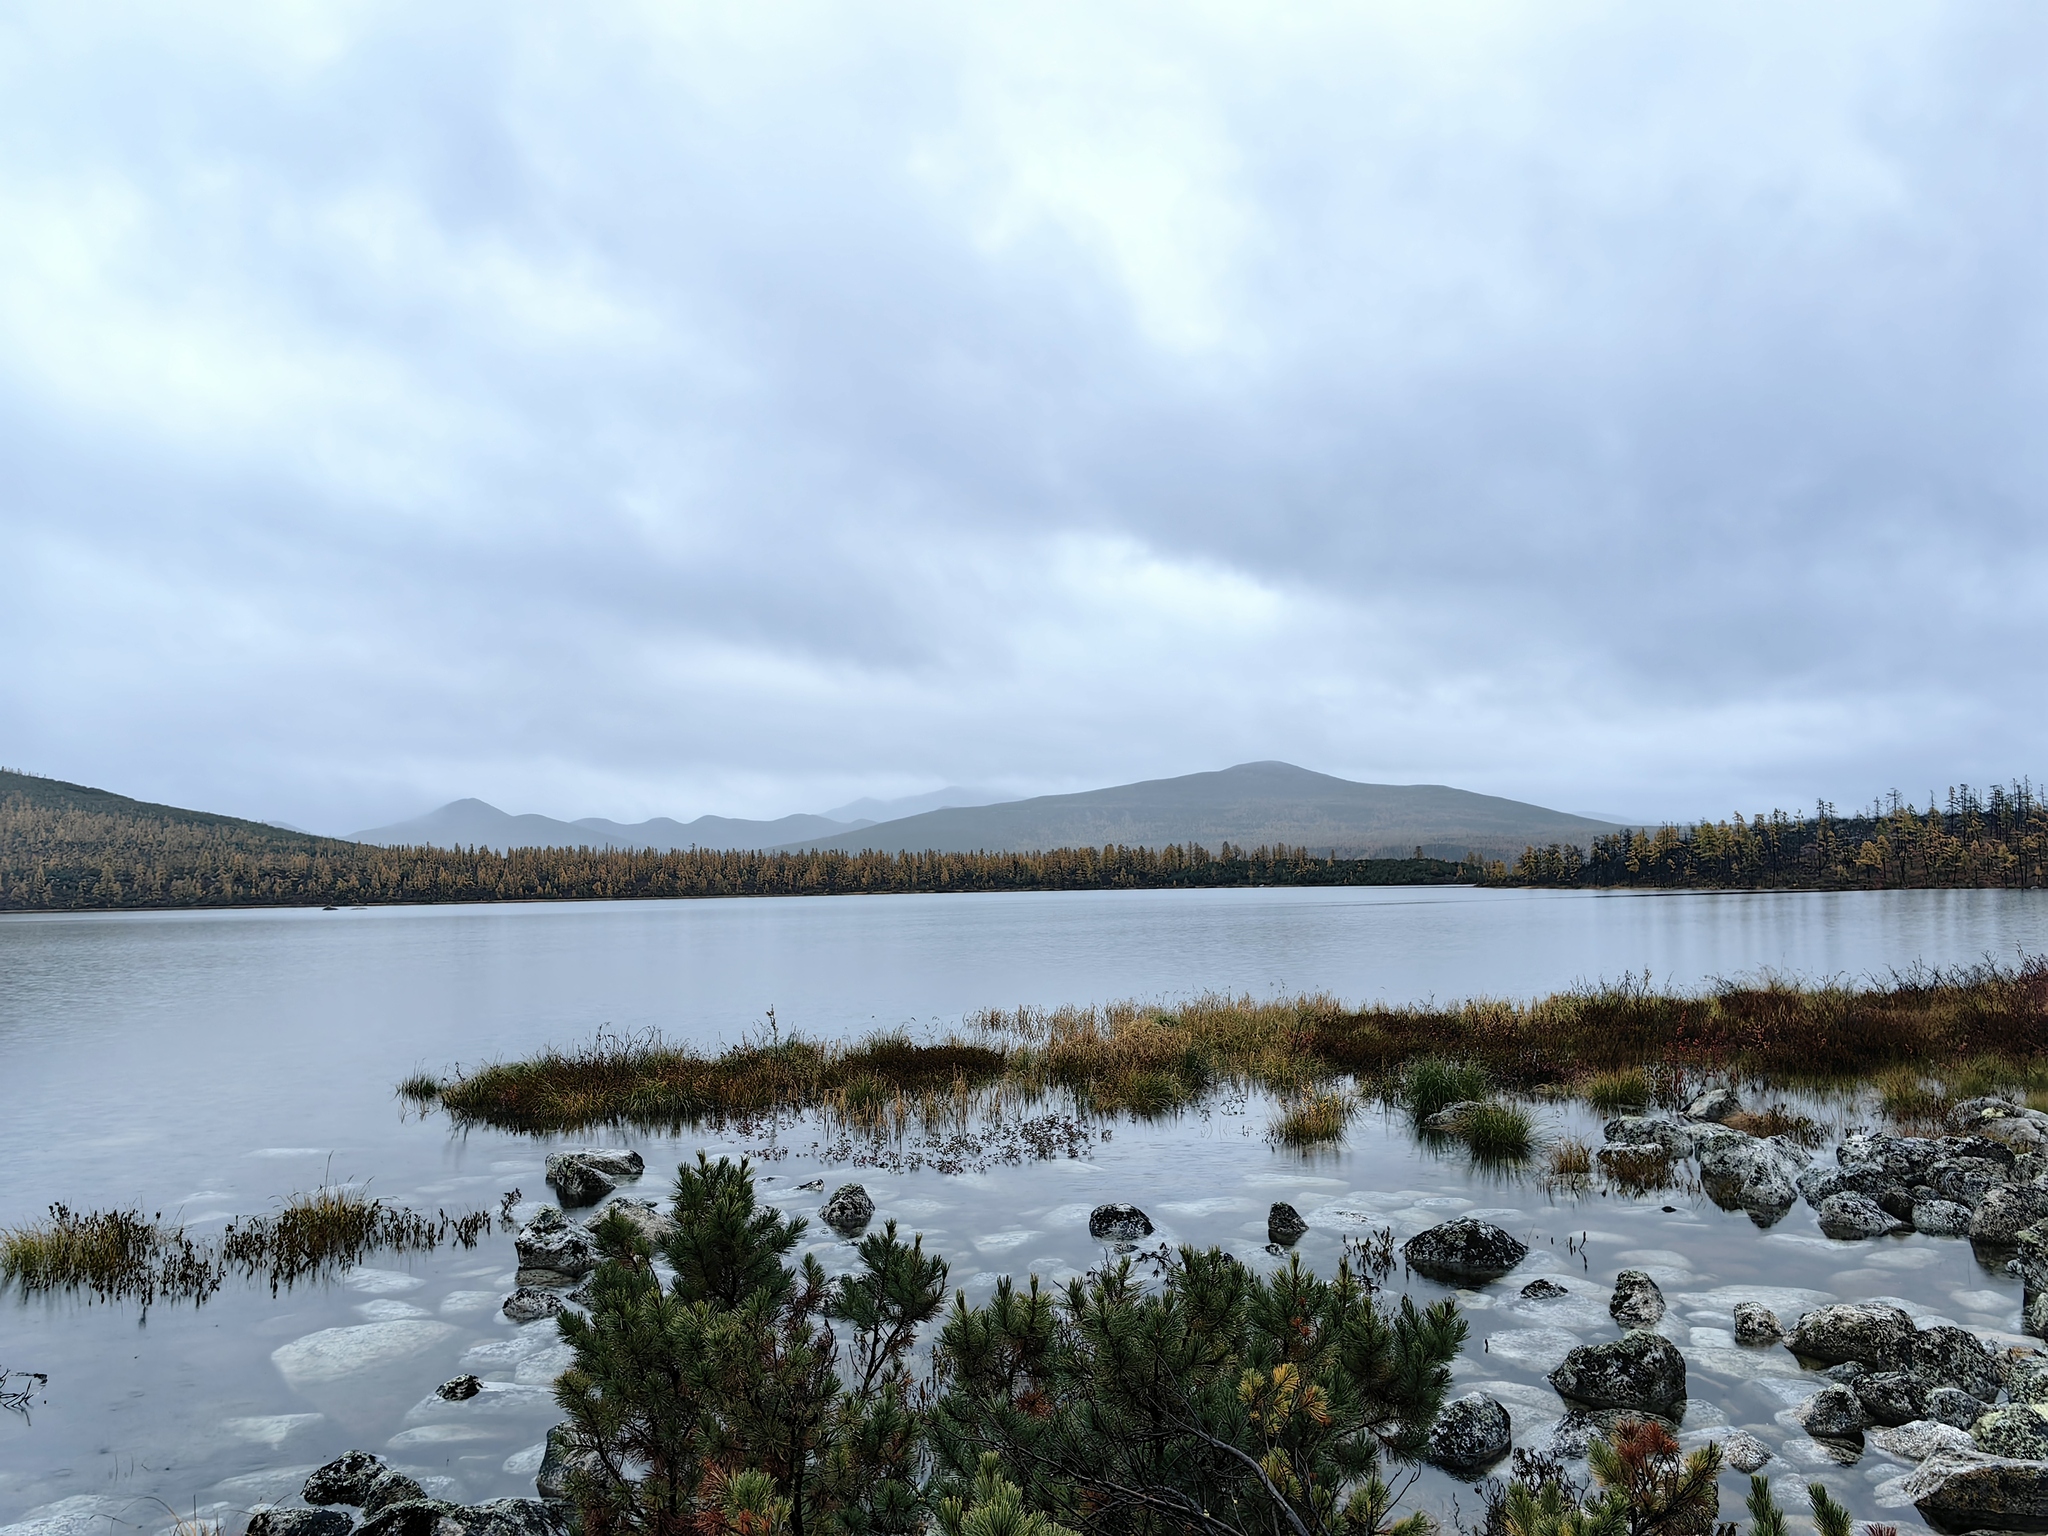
<point x="1250" y="804"/>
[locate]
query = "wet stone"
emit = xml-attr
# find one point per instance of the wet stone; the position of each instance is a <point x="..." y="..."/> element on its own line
<point x="849" y="1209"/>
<point x="508" y="1517"/>
<point x="299" y="1522"/>
<point x="1744" y="1452"/>
<point x="1832" y="1413"/>
<point x="2007" y="1211"/>
<point x="1941" y="1218"/>
<point x="1641" y="1130"/>
<point x="1890" y="1397"/>
<point x="655" y="1224"/>
<point x="527" y="1305"/>
<point x="575" y="1182"/>
<point x="1965" y="1180"/>
<point x="411" y="1517"/>
<point x="391" y="1487"/>
<point x="1638" y="1370"/>
<point x="1118" y="1222"/>
<point x="1543" y="1290"/>
<point x="1869" y="1332"/>
<point x="344" y="1480"/>
<point x="1851" y="1217"/>
<point x="1948" y="1405"/>
<point x="1756" y="1323"/>
<point x="1921" y="1439"/>
<point x="1637" y="1302"/>
<point x="1464" y="1250"/>
<point x="1959" y="1491"/>
<point x="460" y="1390"/>
<point x="1471" y="1434"/>
<point x="1947" y="1356"/>
<point x="552" y="1252"/>
<point x="1284" y="1224"/>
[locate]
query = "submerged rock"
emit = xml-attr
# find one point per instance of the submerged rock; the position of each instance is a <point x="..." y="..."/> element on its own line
<point x="1744" y="1452"/>
<point x="299" y="1522"/>
<point x="1890" y="1397"/>
<point x="552" y="1252"/>
<point x="527" y="1305"/>
<point x="2017" y="1431"/>
<point x="1637" y="1303"/>
<point x="1637" y="1370"/>
<point x="1850" y="1216"/>
<point x="1284" y="1224"/>
<point x="1756" y="1323"/>
<point x="1941" y="1218"/>
<point x="1464" y="1250"/>
<point x="344" y="1480"/>
<point x="1471" y="1434"/>
<point x="849" y="1209"/>
<point x="1832" y="1413"/>
<point x="1543" y="1289"/>
<point x="1957" y="1491"/>
<point x="1868" y="1332"/>
<point x="1118" y="1223"/>
<point x="1713" y="1104"/>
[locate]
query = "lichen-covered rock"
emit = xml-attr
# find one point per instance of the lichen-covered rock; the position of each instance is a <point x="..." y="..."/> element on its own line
<point x="1966" y="1180"/>
<point x="1464" y="1250"/>
<point x="344" y="1480"/>
<point x="619" y="1162"/>
<point x="459" y="1389"/>
<point x="1756" y="1323"/>
<point x="1866" y="1331"/>
<point x="391" y="1487"/>
<point x="2006" y="1211"/>
<point x="1972" y="1115"/>
<point x="1543" y="1289"/>
<point x="1118" y="1223"/>
<point x="1637" y="1303"/>
<point x="2020" y="1137"/>
<point x="552" y="1252"/>
<point x="413" y="1517"/>
<point x="655" y="1224"/>
<point x="1713" y="1104"/>
<point x="1638" y="1370"/>
<point x="1471" y="1434"/>
<point x="1890" y="1397"/>
<point x="1851" y="1217"/>
<point x="527" y="1305"/>
<point x="2021" y="1431"/>
<point x="1452" y="1117"/>
<point x="299" y="1522"/>
<point x="575" y="1182"/>
<point x="1885" y="1159"/>
<point x="1751" y="1176"/>
<point x="1675" y="1139"/>
<point x="1941" y="1218"/>
<point x="508" y="1517"/>
<point x="1832" y="1413"/>
<point x="1958" y="1491"/>
<point x="2024" y="1375"/>
<point x="564" y="1453"/>
<point x="848" y="1211"/>
<point x="1922" y="1438"/>
<point x="1947" y="1356"/>
<point x="1952" y="1405"/>
<point x="1744" y="1452"/>
<point x="1284" y="1224"/>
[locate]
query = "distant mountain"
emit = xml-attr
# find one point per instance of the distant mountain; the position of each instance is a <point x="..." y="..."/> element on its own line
<point x="1250" y="804"/>
<point x="861" y="812"/>
<point x="474" y="823"/>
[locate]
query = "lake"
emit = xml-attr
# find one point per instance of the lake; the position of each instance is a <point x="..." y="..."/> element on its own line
<point x="208" y="1064"/>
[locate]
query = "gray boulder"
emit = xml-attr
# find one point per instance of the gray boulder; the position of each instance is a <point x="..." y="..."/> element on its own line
<point x="655" y="1224"/>
<point x="2024" y="1375"/>
<point x="1941" y="1218"/>
<point x="1713" y="1104"/>
<point x="1118" y="1223"/>
<point x="1756" y="1323"/>
<point x="344" y="1480"/>
<point x="1952" y="1406"/>
<point x="1464" y="1250"/>
<point x="391" y="1487"/>
<point x="2020" y="1137"/>
<point x="1832" y="1413"/>
<point x="1471" y="1434"/>
<point x="1638" y="1370"/>
<point x="575" y="1182"/>
<point x="1637" y="1303"/>
<point x="1868" y="1332"/>
<point x="1966" y="1180"/>
<point x="1820" y="1183"/>
<point x="619" y="1162"/>
<point x="564" y="1453"/>
<point x="1452" y="1117"/>
<point x="2015" y="1431"/>
<point x="1947" y="1356"/>
<point x="1744" y="1452"/>
<point x="1973" y="1115"/>
<point x="527" y="1305"/>
<point x="1543" y="1289"/>
<point x="1639" y="1130"/>
<point x="1851" y="1217"/>
<point x="1957" y="1491"/>
<point x="1922" y="1438"/>
<point x="552" y="1252"/>
<point x="413" y="1517"/>
<point x="848" y="1211"/>
<point x="299" y="1522"/>
<point x="1284" y="1224"/>
<point x="508" y="1517"/>
<point x="1887" y="1159"/>
<point x="2006" y="1211"/>
<point x="459" y="1389"/>
<point x="1751" y="1176"/>
<point x="1890" y="1397"/>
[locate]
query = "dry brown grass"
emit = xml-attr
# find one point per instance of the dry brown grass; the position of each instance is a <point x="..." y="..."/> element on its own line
<point x="1312" y="1120"/>
<point x="1570" y="1158"/>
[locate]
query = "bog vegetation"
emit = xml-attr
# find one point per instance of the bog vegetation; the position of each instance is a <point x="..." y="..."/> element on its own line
<point x="1623" y="1045"/>
<point x="1999" y="838"/>
<point x="66" y="848"/>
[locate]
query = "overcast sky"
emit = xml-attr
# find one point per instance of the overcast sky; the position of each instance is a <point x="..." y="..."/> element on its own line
<point x="658" y="410"/>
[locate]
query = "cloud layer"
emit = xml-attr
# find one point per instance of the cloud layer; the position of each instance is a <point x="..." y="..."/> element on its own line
<point x="682" y="409"/>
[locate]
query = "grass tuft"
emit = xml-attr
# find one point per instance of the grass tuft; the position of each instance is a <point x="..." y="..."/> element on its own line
<point x="1571" y="1158"/>
<point x="1617" y="1092"/>
<point x="1432" y="1083"/>
<point x="421" y="1088"/>
<point x="1499" y="1132"/>
<point x="1910" y="1097"/>
<point x="1312" y="1120"/>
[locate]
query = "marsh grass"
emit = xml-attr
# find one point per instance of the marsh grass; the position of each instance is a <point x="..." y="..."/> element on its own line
<point x="122" y="1255"/>
<point x="1312" y="1120"/>
<point x="421" y="1088"/>
<point x="1619" y="1092"/>
<point x="1778" y="1120"/>
<point x="1570" y="1158"/>
<point x="1637" y="1170"/>
<point x="1908" y="1096"/>
<point x="1499" y="1132"/>
<point x="1132" y="1059"/>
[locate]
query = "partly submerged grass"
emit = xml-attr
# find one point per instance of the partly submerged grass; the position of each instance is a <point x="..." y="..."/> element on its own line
<point x="421" y="1087"/>
<point x="1777" y="1120"/>
<point x="1312" y="1119"/>
<point x="1499" y="1132"/>
<point x="1619" y="1091"/>
<point x="1570" y="1158"/>
<point x="1130" y="1058"/>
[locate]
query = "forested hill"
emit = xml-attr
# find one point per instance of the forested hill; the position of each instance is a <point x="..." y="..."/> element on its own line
<point x="64" y="847"/>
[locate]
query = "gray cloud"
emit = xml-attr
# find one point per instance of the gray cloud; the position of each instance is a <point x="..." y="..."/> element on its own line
<point x="674" y="410"/>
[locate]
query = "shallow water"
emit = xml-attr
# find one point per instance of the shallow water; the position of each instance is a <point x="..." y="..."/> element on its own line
<point x="209" y="1064"/>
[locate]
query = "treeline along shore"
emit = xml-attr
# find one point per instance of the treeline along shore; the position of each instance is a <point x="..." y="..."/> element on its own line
<point x="65" y="848"/>
<point x="1997" y="838"/>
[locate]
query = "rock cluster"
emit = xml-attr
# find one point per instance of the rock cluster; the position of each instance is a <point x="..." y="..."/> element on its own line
<point x="393" y="1504"/>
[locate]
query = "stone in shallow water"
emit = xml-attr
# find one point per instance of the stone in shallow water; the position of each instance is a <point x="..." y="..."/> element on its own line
<point x="1852" y="1217"/>
<point x="344" y="1480"/>
<point x="552" y="1252"/>
<point x="1890" y="1397"/>
<point x="299" y="1522"/>
<point x="527" y="1305"/>
<point x="1637" y="1303"/>
<point x="333" y="1353"/>
<point x="1284" y="1224"/>
<point x="1464" y="1250"/>
<point x="2007" y="1211"/>
<point x="1637" y="1370"/>
<point x="1941" y="1218"/>
<point x="1920" y="1439"/>
<point x="412" y="1517"/>
<point x="459" y="1390"/>
<point x="1471" y="1434"/>
<point x="1947" y="1356"/>
<point x="1118" y="1222"/>
<point x="1959" y="1491"/>
<point x="1744" y="1452"/>
<point x="575" y="1182"/>
<point x="1756" y="1323"/>
<point x="1832" y="1413"/>
<point x="1869" y="1332"/>
<point x="390" y="1487"/>
<point x="1713" y="1104"/>
<point x="849" y="1209"/>
<point x="1543" y="1290"/>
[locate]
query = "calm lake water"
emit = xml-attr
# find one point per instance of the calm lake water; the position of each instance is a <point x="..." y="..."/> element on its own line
<point x="210" y="1064"/>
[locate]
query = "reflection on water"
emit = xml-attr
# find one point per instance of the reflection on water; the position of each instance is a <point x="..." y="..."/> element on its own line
<point x="211" y="1065"/>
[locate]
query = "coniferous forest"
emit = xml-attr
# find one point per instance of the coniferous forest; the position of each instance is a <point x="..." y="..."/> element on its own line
<point x="67" y="848"/>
